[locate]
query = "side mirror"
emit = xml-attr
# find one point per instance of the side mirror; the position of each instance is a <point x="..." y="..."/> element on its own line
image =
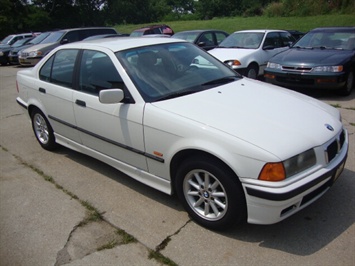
<point x="64" y="41"/>
<point x="200" y="44"/>
<point x="111" y="96"/>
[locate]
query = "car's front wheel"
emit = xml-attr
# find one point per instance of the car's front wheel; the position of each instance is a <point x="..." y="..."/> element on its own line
<point x="43" y="130"/>
<point x="211" y="193"/>
<point x="349" y="85"/>
<point x="252" y="71"/>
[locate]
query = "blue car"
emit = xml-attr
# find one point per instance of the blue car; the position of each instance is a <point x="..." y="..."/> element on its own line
<point x="322" y="59"/>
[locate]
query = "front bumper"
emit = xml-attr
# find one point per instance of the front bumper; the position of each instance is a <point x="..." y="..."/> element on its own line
<point x="268" y="205"/>
<point x="306" y="80"/>
<point x="29" y="61"/>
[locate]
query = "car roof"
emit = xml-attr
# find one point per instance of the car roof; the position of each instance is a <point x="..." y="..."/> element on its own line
<point x="122" y="43"/>
<point x="198" y="31"/>
<point x="261" y="31"/>
<point x="334" y="29"/>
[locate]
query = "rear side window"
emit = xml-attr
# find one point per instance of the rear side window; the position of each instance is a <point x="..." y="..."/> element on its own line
<point x="59" y="68"/>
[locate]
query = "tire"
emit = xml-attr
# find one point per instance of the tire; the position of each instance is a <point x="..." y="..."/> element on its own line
<point x="43" y="130"/>
<point x="252" y="71"/>
<point x="349" y="85"/>
<point x="211" y="193"/>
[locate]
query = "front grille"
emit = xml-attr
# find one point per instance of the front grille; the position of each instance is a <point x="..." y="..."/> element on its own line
<point x="301" y="69"/>
<point x="334" y="147"/>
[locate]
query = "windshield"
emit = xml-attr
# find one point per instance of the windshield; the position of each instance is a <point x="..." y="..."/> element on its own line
<point x="137" y="33"/>
<point x="39" y="38"/>
<point x="7" y="39"/>
<point x="20" y="42"/>
<point x="172" y="70"/>
<point x="53" y="37"/>
<point x="188" y="36"/>
<point x="344" y="40"/>
<point x="246" y="40"/>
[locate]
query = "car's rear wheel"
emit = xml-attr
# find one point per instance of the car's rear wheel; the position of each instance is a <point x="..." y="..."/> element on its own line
<point x="43" y="130"/>
<point x="211" y="193"/>
<point x="349" y="85"/>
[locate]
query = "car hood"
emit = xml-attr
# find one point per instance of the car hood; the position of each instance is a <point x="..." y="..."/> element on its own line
<point x="269" y="117"/>
<point x="224" y="54"/>
<point x="21" y="47"/>
<point x="312" y="56"/>
<point x="43" y="46"/>
<point x="4" y="46"/>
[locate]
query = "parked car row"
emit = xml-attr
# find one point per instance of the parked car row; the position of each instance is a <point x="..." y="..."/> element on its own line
<point x="29" y="54"/>
<point x="322" y="58"/>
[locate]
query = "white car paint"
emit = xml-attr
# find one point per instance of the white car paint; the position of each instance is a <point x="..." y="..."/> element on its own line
<point x="245" y="123"/>
<point x="248" y="56"/>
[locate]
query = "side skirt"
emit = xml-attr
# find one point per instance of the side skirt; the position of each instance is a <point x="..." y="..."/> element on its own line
<point x="137" y="174"/>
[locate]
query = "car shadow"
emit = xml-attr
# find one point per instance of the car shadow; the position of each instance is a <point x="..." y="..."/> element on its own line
<point x="303" y="234"/>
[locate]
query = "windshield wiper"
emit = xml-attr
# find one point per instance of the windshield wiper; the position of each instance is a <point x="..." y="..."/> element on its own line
<point x="175" y="95"/>
<point x="224" y="80"/>
<point x="302" y="47"/>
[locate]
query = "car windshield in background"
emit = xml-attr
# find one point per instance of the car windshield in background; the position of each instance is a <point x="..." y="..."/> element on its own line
<point x="328" y="40"/>
<point x="6" y="40"/>
<point x="53" y="37"/>
<point x="39" y="38"/>
<point x="246" y="40"/>
<point x="20" y="42"/>
<point x="167" y="71"/>
<point x="187" y="36"/>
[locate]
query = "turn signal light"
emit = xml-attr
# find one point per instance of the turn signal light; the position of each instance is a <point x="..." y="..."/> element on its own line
<point x="272" y="172"/>
<point x="269" y="76"/>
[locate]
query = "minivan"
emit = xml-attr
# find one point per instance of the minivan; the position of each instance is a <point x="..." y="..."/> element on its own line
<point x="31" y="55"/>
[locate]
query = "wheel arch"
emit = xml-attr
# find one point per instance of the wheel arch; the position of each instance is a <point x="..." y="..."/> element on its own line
<point x="186" y="154"/>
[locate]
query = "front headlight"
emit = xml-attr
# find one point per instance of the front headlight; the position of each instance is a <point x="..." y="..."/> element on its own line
<point x="332" y="69"/>
<point x="300" y="162"/>
<point x="35" y="53"/>
<point x="294" y="165"/>
<point x="233" y="63"/>
<point x="273" y="65"/>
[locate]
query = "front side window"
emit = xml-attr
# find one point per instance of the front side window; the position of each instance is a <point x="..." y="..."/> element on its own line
<point x="59" y="68"/>
<point x="207" y="39"/>
<point x="272" y="40"/>
<point x="97" y="72"/>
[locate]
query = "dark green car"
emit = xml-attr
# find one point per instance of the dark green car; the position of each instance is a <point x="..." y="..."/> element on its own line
<point x="322" y="59"/>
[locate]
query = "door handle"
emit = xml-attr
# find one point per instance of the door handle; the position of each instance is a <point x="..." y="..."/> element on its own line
<point x="42" y="90"/>
<point x="80" y="102"/>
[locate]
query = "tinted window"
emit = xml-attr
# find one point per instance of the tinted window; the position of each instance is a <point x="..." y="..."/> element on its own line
<point x="272" y="39"/>
<point x="220" y="37"/>
<point x="72" y="36"/>
<point x="59" y="68"/>
<point x="97" y="72"/>
<point x="286" y="39"/>
<point x="206" y="38"/>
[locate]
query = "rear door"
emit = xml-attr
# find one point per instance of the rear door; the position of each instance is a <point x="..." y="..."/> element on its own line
<point x="55" y="90"/>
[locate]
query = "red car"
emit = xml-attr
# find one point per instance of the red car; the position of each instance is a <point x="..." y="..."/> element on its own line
<point x="153" y="29"/>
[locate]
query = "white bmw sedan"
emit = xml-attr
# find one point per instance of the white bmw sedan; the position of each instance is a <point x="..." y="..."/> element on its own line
<point x="172" y="116"/>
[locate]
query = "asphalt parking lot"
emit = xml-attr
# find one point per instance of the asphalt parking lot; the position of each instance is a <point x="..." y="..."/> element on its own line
<point x="48" y="203"/>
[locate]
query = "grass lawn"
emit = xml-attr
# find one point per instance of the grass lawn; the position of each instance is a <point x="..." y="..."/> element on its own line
<point x="240" y="23"/>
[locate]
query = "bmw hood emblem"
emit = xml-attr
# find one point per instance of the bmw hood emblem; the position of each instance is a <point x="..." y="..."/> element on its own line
<point x="329" y="127"/>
